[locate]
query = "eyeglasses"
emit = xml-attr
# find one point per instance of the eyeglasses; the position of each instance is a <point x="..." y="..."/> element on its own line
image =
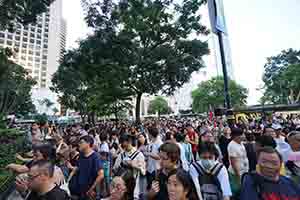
<point x="32" y="177"/>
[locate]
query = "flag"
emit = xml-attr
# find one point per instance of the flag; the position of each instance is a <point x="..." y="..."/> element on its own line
<point x="217" y="16"/>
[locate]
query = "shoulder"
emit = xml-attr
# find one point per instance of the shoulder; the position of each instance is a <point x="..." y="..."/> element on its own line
<point x="58" y="194"/>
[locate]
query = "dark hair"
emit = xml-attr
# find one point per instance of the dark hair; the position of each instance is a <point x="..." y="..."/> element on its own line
<point x="180" y="137"/>
<point x="172" y="150"/>
<point x="45" y="166"/>
<point x="250" y="137"/>
<point x="187" y="183"/>
<point x="138" y="142"/>
<point x="269" y="150"/>
<point x="103" y="137"/>
<point x="266" y="141"/>
<point x="236" y="132"/>
<point x="168" y="135"/>
<point x="153" y="131"/>
<point x="88" y="139"/>
<point x="208" y="147"/>
<point x="46" y="149"/>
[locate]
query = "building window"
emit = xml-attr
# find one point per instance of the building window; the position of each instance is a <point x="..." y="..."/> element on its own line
<point x="39" y="36"/>
<point x="36" y="71"/>
<point x="37" y="53"/>
<point x="31" y="46"/>
<point x="9" y="43"/>
<point x="32" y="35"/>
<point x="38" y="47"/>
<point x="18" y="32"/>
<point x="25" y="33"/>
<point x="9" y="36"/>
<point x="32" y="29"/>
<point x="24" y="51"/>
<point x="30" y="58"/>
<point x="39" y="31"/>
<point x="30" y="52"/>
<point x="38" y="42"/>
<point x="1" y="41"/>
<point x="36" y="78"/>
<point x="25" y="39"/>
<point x="44" y="74"/>
<point x="44" y="62"/>
<point x="43" y="85"/>
<point x="45" y="57"/>
<point x="40" y="26"/>
<point x="2" y="35"/>
<point x="24" y="46"/>
<point x="46" y="30"/>
<point x="23" y="58"/>
<point x="45" y="46"/>
<point x="37" y="60"/>
<point x="18" y="38"/>
<point x="44" y="68"/>
<point x="26" y="28"/>
<point x="32" y="41"/>
<point x="29" y="64"/>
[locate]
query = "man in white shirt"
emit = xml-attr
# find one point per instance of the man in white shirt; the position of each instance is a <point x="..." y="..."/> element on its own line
<point x="152" y="155"/>
<point x="238" y="159"/>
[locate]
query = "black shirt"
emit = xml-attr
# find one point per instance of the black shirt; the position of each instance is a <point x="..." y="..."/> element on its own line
<point x="223" y="144"/>
<point x="54" y="194"/>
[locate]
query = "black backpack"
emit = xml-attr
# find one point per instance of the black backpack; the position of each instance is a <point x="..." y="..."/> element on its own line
<point x="209" y="183"/>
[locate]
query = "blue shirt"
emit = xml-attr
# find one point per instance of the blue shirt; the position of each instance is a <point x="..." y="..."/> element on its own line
<point x="88" y="168"/>
<point x="284" y="188"/>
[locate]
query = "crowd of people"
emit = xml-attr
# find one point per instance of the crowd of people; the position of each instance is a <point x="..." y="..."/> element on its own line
<point x="183" y="159"/>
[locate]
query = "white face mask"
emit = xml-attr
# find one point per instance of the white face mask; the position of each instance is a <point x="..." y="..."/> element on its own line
<point x="208" y="164"/>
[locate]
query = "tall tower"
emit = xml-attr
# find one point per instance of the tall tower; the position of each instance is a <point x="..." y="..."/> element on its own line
<point x="39" y="47"/>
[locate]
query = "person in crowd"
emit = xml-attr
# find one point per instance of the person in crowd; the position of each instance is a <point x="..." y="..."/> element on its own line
<point x="193" y="139"/>
<point x="224" y="141"/>
<point x="169" y="154"/>
<point x="267" y="183"/>
<point x="89" y="171"/>
<point x="61" y="146"/>
<point x="142" y="143"/>
<point x="104" y="146"/>
<point x="181" y="187"/>
<point x="250" y="149"/>
<point x="180" y="138"/>
<point x="170" y="136"/>
<point x="41" y="185"/>
<point x="208" y="136"/>
<point x="210" y="176"/>
<point x="238" y="160"/>
<point x="131" y="163"/>
<point x="188" y="150"/>
<point x="120" y="189"/>
<point x="114" y="138"/>
<point x="293" y="161"/>
<point x="152" y="155"/>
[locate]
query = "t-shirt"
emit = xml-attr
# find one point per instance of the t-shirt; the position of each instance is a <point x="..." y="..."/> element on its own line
<point x="222" y="178"/>
<point x="55" y="194"/>
<point x="223" y="143"/>
<point x="152" y="164"/>
<point x="238" y="151"/>
<point x="88" y="168"/>
<point x="283" y="189"/>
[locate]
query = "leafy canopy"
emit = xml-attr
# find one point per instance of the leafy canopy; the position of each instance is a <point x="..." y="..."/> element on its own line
<point x="211" y="94"/>
<point x="159" y="105"/>
<point x="280" y="78"/>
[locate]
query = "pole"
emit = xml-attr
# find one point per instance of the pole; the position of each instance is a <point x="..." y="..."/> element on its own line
<point x="224" y="67"/>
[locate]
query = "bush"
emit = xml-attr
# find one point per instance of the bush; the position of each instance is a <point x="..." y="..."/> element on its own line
<point x="11" y="141"/>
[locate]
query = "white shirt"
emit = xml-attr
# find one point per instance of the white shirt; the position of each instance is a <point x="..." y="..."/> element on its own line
<point x="239" y="152"/>
<point x="152" y="164"/>
<point x="222" y="177"/>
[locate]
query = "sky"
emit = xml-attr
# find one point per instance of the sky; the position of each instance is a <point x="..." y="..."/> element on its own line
<point x="257" y="29"/>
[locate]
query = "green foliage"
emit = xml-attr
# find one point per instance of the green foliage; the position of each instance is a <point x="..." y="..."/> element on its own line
<point x="281" y="78"/>
<point x="41" y="119"/>
<point x="159" y="105"/>
<point x="15" y="87"/>
<point x="21" y="11"/>
<point x="211" y="94"/>
<point x="152" y="51"/>
<point x="11" y="141"/>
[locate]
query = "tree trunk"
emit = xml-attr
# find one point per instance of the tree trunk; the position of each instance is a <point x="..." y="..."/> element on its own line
<point x="138" y="107"/>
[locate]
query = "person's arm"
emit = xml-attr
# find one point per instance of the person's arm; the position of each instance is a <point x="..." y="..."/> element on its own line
<point x="17" y="168"/>
<point x="235" y="166"/>
<point x="91" y="192"/>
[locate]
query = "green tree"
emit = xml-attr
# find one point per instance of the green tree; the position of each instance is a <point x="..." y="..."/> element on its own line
<point x="211" y="94"/>
<point x="159" y="105"/>
<point x="154" y="52"/>
<point x="21" y="11"/>
<point x="279" y="75"/>
<point x="55" y="110"/>
<point x="15" y="87"/>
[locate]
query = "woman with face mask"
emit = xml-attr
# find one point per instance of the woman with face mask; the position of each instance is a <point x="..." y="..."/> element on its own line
<point x="210" y="177"/>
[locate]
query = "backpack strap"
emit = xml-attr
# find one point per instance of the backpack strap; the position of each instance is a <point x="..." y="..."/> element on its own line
<point x="198" y="168"/>
<point x="216" y="169"/>
<point x="256" y="183"/>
